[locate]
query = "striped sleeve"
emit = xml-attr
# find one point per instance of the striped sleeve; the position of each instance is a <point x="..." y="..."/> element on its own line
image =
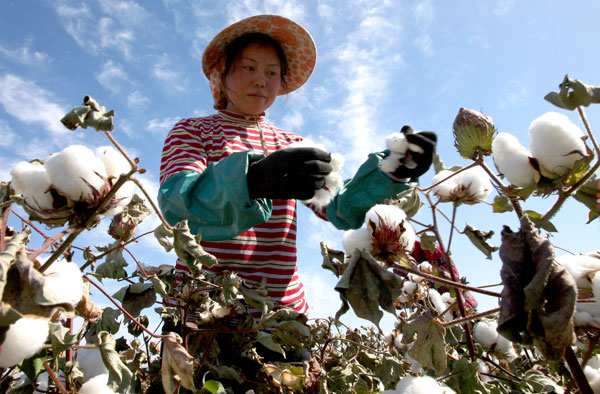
<point x="183" y="151"/>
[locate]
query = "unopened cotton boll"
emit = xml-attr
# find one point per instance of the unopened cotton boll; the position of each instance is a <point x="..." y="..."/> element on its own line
<point x="64" y="282"/>
<point x="96" y="385"/>
<point x="24" y="338"/>
<point x="90" y="362"/>
<point x="357" y="239"/>
<point x="32" y="181"/>
<point x="74" y="171"/>
<point x="556" y="143"/>
<point x="115" y="163"/>
<point x="485" y="333"/>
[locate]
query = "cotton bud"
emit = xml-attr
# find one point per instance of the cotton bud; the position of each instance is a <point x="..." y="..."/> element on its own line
<point x="473" y="133"/>
<point x="512" y="160"/>
<point x="77" y="173"/>
<point x="33" y="182"/>
<point x="24" y="338"/>
<point x="485" y="333"/>
<point x="556" y="143"/>
<point x="470" y="186"/>
<point x="96" y="385"/>
<point x="63" y="282"/>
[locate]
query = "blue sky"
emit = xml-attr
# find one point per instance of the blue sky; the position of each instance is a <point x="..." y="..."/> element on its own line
<point x="381" y="64"/>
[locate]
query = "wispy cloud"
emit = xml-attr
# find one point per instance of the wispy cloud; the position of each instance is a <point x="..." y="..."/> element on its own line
<point x="7" y="133"/>
<point x="166" y="73"/>
<point x="25" y="54"/>
<point x="112" y="76"/>
<point x="137" y="100"/>
<point x="162" y="126"/>
<point x="240" y="9"/>
<point x="31" y="104"/>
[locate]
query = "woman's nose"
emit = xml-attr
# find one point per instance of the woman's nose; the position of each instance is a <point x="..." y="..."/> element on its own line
<point x="259" y="81"/>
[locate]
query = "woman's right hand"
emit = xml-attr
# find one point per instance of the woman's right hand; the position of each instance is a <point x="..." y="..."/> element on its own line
<point x="291" y="173"/>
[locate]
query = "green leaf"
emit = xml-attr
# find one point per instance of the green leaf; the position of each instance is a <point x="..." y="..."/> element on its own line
<point x="333" y="260"/>
<point x="465" y="379"/>
<point x="266" y="339"/>
<point x="541" y="383"/>
<point x="188" y="249"/>
<point x="32" y="366"/>
<point x="588" y="195"/>
<point x="480" y="238"/>
<point x="429" y="349"/>
<point x="161" y="287"/>
<point x="214" y="387"/>
<point x="428" y="242"/>
<point x="119" y="375"/>
<point x="292" y="333"/>
<point x="258" y="298"/>
<point x="573" y="93"/>
<point x="536" y="218"/>
<point x="61" y="339"/>
<point x="114" y="263"/>
<point x="409" y="201"/>
<point x="163" y="235"/>
<point x="502" y="204"/>
<point x="367" y="286"/>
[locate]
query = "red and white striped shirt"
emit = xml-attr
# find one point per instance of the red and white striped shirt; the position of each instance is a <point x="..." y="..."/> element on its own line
<point x="267" y="250"/>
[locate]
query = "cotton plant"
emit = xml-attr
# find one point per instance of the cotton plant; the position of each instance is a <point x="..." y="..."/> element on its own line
<point x="23" y="339"/>
<point x="419" y="385"/>
<point x="333" y="180"/>
<point x="584" y="269"/>
<point x="387" y="235"/>
<point x="513" y="161"/>
<point x="470" y="186"/>
<point x="486" y="334"/>
<point x="55" y="190"/>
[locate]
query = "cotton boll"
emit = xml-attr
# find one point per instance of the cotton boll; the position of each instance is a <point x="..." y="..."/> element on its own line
<point x="114" y="162"/>
<point x="518" y="170"/>
<point x="70" y="169"/>
<point x="505" y="347"/>
<point x="579" y="266"/>
<point x="32" y="181"/>
<point x="409" y="287"/>
<point x="421" y="385"/>
<point x="583" y="318"/>
<point x="504" y="146"/>
<point x="64" y="282"/>
<point x="448" y="299"/>
<point x="553" y="139"/>
<point x="388" y="338"/>
<point x="334" y="181"/>
<point x="436" y="300"/>
<point x="477" y="181"/>
<point x="337" y="161"/>
<point x="96" y="385"/>
<point x="123" y="196"/>
<point x="593" y="377"/>
<point x="357" y="239"/>
<point x="307" y="143"/>
<point x="445" y="188"/>
<point x="425" y="267"/>
<point x="594" y="362"/>
<point x="482" y="370"/>
<point x="485" y="333"/>
<point x="388" y="214"/>
<point x="24" y="338"/>
<point x="398" y="342"/>
<point x="90" y="362"/>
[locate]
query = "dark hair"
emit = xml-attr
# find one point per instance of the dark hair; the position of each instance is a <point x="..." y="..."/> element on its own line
<point x="234" y="50"/>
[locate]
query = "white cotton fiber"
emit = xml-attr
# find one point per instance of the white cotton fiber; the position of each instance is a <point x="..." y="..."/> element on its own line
<point x="579" y="266"/>
<point x="398" y="342"/>
<point x="357" y="239"/>
<point x="518" y="171"/>
<point x="64" y="282"/>
<point x="115" y="163"/>
<point x="123" y="196"/>
<point x="446" y="188"/>
<point x="397" y="142"/>
<point x="391" y="162"/>
<point x="485" y="332"/>
<point x="420" y="385"/>
<point x="388" y="338"/>
<point x="96" y="385"/>
<point x="593" y="377"/>
<point x="24" y="338"/>
<point x="32" y="181"/>
<point x="436" y="300"/>
<point x="90" y="363"/>
<point x="409" y="287"/>
<point x="505" y="347"/>
<point x="553" y="141"/>
<point x="337" y="161"/>
<point x="71" y="168"/>
<point x="504" y="146"/>
<point x="389" y="214"/>
<point x="477" y="181"/>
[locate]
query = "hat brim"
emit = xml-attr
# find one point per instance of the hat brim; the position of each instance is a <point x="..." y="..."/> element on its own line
<point x="298" y="47"/>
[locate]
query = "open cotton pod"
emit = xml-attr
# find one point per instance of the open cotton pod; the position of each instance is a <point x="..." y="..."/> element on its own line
<point x="24" y="338"/>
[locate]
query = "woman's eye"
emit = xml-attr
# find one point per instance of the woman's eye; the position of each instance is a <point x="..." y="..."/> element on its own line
<point x="249" y="68"/>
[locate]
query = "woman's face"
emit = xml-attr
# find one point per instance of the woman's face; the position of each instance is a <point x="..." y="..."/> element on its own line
<point x="254" y="80"/>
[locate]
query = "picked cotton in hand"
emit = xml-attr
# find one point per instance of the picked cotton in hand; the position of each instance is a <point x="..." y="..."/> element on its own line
<point x="398" y="145"/>
<point x="75" y="171"/>
<point x="24" y="338"/>
<point x="32" y="181"/>
<point x="333" y="181"/>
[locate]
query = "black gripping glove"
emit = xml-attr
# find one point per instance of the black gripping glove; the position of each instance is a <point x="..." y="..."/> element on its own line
<point x="291" y="173"/>
<point x="418" y="158"/>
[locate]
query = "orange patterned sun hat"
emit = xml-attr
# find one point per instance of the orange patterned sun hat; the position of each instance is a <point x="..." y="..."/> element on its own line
<point x="298" y="47"/>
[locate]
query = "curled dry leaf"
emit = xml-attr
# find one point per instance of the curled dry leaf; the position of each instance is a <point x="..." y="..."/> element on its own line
<point x="86" y="307"/>
<point x="539" y="295"/>
<point x="177" y="365"/>
<point x="282" y="377"/>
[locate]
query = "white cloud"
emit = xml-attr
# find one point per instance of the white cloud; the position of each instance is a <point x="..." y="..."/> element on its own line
<point x="7" y="133"/>
<point x="112" y="76"/>
<point x="135" y="99"/>
<point x="425" y="44"/>
<point x="162" y="126"/>
<point x="237" y="10"/>
<point x="292" y="121"/>
<point x="166" y="73"/>
<point x="25" y="55"/>
<point x="31" y="104"/>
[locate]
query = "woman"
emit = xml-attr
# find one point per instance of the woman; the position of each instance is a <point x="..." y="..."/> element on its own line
<point x="232" y="177"/>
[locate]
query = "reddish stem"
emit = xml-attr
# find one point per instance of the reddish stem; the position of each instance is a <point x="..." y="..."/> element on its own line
<point x="54" y="378"/>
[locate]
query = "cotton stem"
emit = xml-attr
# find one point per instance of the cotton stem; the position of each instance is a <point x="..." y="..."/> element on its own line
<point x="55" y="378"/>
<point x="513" y="200"/>
<point x="588" y="129"/>
<point x="158" y="213"/>
<point x="577" y="371"/>
<point x="468" y="318"/>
